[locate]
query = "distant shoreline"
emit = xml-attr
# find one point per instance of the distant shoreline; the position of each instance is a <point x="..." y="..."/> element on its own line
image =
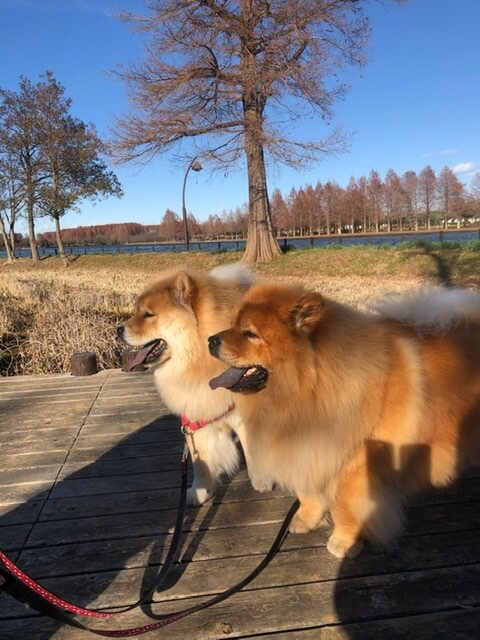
<point x="299" y="242"/>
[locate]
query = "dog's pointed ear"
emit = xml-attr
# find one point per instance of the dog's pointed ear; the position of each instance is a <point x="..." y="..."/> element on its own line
<point x="307" y="312"/>
<point x="183" y="288"/>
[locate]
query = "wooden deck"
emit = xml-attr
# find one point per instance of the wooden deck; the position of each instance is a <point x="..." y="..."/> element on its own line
<point x="88" y="489"/>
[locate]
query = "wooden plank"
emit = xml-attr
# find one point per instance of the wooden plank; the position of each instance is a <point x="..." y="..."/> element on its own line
<point x="16" y="476"/>
<point x="84" y="451"/>
<point x="115" y="554"/>
<point x="168" y="450"/>
<point x="62" y="436"/>
<point x="290" y="567"/>
<point x="31" y="459"/>
<point x="109" y="485"/>
<point x="457" y="624"/>
<point x="453" y="624"/>
<point x="153" y="423"/>
<point x="304" y="606"/>
<point x="149" y="434"/>
<point x="148" y="409"/>
<point x="117" y="423"/>
<point x="102" y="467"/>
<point x="13" y="537"/>
<point x="222" y="516"/>
<point x="13" y="494"/>
<point x="55" y="381"/>
<point x="114" y="484"/>
<point x="153" y="522"/>
<point x="39" y="425"/>
<point x="57" y="443"/>
<point x="158" y="499"/>
<point x="248" y="536"/>
<point x="36" y="410"/>
<point x="20" y="513"/>
<point x="47" y="395"/>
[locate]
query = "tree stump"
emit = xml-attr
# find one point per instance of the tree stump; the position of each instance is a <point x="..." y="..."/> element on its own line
<point x="83" y="364"/>
<point x="127" y="356"/>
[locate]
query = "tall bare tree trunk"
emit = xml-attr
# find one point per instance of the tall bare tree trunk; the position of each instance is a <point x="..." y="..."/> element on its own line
<point x="7" y="242"/>
<point x="30" y="218"/>
<point x="261" y="243"/>
<point x="58" y="235"/>
<point x="31" y="236"/>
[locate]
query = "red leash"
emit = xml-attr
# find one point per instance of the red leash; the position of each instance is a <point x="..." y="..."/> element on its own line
<point x="23" y="588"/>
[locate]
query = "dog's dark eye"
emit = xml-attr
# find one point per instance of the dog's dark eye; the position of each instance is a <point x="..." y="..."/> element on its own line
<point x="148" y="314"/>
<point x="249" y="334"/>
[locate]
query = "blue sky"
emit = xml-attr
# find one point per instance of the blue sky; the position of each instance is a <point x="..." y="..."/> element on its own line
<point x="416" y="102"/>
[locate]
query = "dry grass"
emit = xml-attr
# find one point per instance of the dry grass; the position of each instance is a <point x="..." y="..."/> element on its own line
<point x="48" y="313"/>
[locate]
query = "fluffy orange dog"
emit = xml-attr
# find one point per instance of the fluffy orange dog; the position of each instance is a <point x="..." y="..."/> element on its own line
<point x="172" y="322"/>
<point x="353" y="411"/>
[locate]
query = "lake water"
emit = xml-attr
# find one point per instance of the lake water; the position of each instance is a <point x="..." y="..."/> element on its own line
<point x="346" y="240"/>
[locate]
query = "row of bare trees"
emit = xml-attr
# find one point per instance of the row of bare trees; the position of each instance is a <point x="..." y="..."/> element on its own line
<point x="410" y="201"/>
<point x="50" y="161"/>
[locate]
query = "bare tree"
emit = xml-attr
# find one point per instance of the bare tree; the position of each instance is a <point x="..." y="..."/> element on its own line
<point x="451" y="195"/>
<point x="235" y="77"/>
<point x="475" y="193"/>
<point x="394" y="198"/>
<point x="411" y="195"/>
<point x="280" y="212"/>
<point x="375" y="195"/>
<point x="53" y="158"/>
<point x="171" y="225"/>
<point x="20" y="137"/>
<point x="427" y="185"/>
<point x="354" y="204"/>
<point x="10" y="200"/>
<point x="70" y="150"/>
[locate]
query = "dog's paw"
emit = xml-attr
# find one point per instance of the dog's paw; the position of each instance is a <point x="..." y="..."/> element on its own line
<point x="262" y="484"/>
<point x="197" y="496"/>
<point x="297" y="525"/>
<point x="343" y="548"/>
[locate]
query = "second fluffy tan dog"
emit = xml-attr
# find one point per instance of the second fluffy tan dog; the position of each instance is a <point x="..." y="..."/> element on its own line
<point x="353" y="411"/>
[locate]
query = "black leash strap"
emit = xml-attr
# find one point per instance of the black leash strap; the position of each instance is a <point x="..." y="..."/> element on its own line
<point x="54" y="607"/>
<point x="22" y="585"/>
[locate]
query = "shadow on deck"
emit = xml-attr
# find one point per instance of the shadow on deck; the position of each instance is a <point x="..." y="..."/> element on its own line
<point x="89" y="478"/>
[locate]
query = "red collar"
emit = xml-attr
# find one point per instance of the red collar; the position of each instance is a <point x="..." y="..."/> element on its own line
<point x="188" y="426"/>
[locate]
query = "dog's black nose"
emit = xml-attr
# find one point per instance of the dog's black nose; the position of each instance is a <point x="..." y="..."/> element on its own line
<point x="214" y="344"/>
<point x="120" y="330"/>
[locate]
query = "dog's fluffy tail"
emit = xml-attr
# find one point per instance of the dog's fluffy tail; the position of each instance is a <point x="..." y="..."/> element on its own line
<point x="431" y="310"/>
<point x="235" y="273"/>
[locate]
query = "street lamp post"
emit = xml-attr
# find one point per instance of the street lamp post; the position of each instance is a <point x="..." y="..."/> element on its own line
<point x="195" y="166"/>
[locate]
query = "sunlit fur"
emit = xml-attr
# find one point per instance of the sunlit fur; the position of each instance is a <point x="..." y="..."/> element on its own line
<point x="360" y="409"/>
<point x="184" y="308"/>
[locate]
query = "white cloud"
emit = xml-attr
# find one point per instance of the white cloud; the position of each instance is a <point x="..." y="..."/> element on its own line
<point x="448" y="152"/>
<point x="463" y="167"/>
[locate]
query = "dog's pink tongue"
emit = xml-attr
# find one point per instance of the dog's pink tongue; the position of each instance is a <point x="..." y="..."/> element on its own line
<point x="227" y="378"/>
<point x="142" y="354"/>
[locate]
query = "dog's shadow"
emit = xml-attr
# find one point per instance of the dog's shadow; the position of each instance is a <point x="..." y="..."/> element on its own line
<point x="112" y="548"/>
<point x="427" y="584"/>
